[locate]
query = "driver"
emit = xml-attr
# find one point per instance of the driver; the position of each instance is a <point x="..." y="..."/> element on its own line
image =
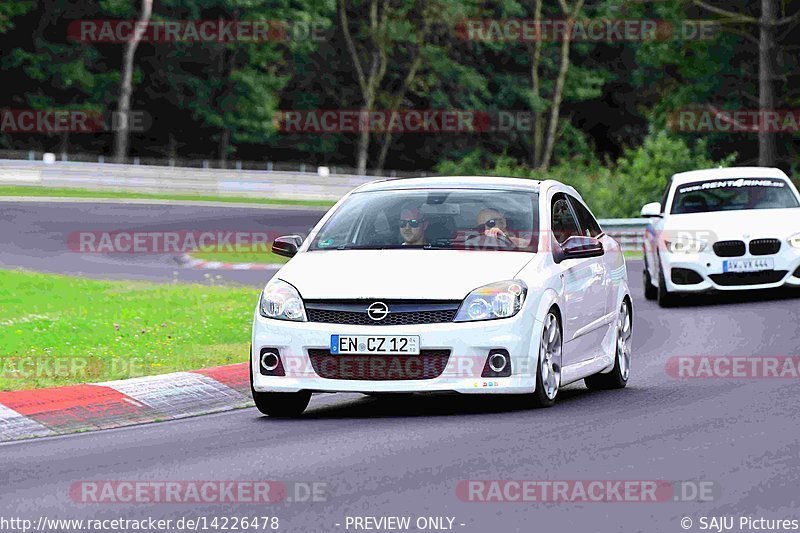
<point x="412" y="226"/>
<point x="494" y="224"/>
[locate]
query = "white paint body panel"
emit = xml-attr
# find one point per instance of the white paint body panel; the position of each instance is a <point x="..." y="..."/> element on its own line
<point x="588" y="293"/>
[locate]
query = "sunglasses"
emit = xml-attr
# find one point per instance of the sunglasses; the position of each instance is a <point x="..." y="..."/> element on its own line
<point x="414" y="223"/>
<point x="491" y="223"/>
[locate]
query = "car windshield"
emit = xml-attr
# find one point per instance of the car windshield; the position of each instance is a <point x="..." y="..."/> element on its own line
<point x="433" y="219"/>
<point x="733" y="195"/>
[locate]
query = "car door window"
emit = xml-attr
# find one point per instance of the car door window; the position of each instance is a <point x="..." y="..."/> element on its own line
<point x="589" y="226"/>
<point x="563" y="221"/>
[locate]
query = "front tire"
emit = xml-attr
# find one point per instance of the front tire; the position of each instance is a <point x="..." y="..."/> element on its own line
<point x="665" y="299"/>
<point x="548" y="371"/>
<point x="618" y="377"/>
<point x="282" y="404"/>
<point x="279" y="404"/>
<point x="650" y="290"/>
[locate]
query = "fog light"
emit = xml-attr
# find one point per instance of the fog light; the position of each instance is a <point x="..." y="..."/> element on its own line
<point x="497" y="362"/>
<point x="498" y="365"/>
<point x="271" y="362"/>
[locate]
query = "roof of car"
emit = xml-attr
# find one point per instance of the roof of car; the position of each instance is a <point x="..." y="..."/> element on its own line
<point x="727" y="173"/>
<point x="455" y="182"/>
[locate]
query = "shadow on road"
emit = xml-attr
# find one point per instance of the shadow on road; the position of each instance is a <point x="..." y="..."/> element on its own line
<point x="736" y="297"/>
<point x="402" y="405"/>
<point x="728" y="297"/>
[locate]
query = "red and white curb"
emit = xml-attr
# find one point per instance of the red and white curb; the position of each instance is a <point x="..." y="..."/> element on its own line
<point x="187" y="261"/>
<point x="60" y="410"/>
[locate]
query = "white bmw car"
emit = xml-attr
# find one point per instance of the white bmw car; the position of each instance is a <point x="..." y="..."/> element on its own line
<point x="451" y="284"/>
<point x="721" y="230"/>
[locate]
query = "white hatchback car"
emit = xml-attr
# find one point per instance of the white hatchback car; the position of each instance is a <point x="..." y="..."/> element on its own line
<point x="449" y="284"/>
<point x="721" y="230"/>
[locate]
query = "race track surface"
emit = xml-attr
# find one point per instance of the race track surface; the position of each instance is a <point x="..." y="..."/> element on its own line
<point x="36" y="235"/>
<point x="384" y="457"/>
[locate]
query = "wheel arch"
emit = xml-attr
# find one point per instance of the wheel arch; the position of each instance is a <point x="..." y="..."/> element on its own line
<point x="549" y="299"/>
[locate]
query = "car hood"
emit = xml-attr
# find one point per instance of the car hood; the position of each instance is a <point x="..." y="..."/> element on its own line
<point x="746" y="224"/>
<point x="398" y="274"/>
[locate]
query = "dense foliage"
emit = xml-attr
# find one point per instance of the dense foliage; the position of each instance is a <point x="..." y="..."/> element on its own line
<point x="596" y="113"/>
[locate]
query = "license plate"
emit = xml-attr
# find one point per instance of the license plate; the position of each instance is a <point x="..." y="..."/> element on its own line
<point x="748" y="265"/>
<point x="375" y="344"/>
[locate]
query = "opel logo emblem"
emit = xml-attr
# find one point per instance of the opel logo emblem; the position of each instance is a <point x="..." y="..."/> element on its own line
<point x="377" y="311"/>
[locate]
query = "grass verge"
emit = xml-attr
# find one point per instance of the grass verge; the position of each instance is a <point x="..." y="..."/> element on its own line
<point x="60" y="330"/>
<point x="240" y="256"/>
<point x="31" y="190"/>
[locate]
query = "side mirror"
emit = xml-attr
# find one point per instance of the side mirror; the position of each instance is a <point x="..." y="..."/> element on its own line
<point x="287" y="245"/>
<point x="651" y="210"/>
<point x="578" y="248"/>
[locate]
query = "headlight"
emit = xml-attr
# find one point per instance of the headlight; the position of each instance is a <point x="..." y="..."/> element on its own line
<point x="794" y="240"/>
<point x="685" y="246"/>
<point x="281" y="301"/>
<point x="496" y="300"/>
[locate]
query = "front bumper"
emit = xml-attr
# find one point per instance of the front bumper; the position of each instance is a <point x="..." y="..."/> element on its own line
<point x="469" y="344"/>
<point x="708" y="265"/>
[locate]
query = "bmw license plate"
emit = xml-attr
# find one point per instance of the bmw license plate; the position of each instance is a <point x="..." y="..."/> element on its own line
<point x="748" y="265"/>
<point x="375" y="344"/>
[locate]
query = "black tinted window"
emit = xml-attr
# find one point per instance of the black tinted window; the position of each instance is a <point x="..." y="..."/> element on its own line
<point x="564" y="223"/>
<point x="589" y="225"/>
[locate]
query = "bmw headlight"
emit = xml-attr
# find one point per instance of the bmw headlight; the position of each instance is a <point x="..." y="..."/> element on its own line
<point x="685" y="246"/>
<point x="794" y="240"/>
<point x="496" y="300"/>
<point x="281" y="301"/>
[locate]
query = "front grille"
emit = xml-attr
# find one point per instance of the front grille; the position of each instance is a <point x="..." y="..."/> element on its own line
<point x="748" y="278"/>
<point x="401" y="312"/>
<point x="428" y="364"/>
<point x="729" y="248"/>
<point x="765" y="246"/>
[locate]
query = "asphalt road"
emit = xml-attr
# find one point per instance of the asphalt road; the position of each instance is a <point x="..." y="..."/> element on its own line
<point x="382" y="457"/>
<point x="36" y="235"/>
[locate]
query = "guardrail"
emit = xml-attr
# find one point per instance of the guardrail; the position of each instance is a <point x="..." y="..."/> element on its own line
<point x="629" y="232"/>
<point x="281" y="185"/>
<point x="284" y="185"/>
